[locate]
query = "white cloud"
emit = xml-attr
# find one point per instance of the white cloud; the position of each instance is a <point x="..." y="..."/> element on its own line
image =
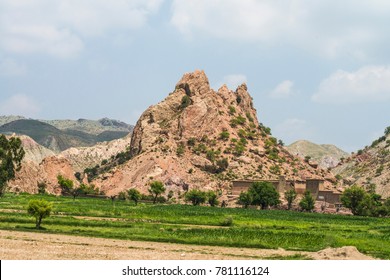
<point x="244" y="19"/>
<point x="19" y="104"/>
<point x="283" y="90"/>
<point x="293" y="129"/>
<point x="325" y="27"/>
<point x="10" y="67"/>
<point x="60" y="27"/>
<point x="367" y="84"/>
<point x="232" y="81"/>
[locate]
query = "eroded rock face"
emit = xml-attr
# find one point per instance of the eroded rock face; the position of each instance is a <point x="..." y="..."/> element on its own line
<point x="83" y="157"/>
<point x="369" y="167"/>
<point x="185" y="137"/>
<point x="33" y="151"/>
<point x="31" y="174"/>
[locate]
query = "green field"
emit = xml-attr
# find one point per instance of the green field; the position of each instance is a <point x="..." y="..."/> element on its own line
<point x="188" y="224"/>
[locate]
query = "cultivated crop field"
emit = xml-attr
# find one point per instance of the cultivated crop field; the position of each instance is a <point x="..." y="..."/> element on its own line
<point x="197" y="225"/>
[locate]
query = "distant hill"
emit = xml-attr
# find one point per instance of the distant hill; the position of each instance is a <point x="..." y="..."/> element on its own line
<point x="92" y="126"/>
<point x="8" y="119"/>
<point x="326" y="155"/>
<point x="369" y="166"/>
<point x="57" y="139"/>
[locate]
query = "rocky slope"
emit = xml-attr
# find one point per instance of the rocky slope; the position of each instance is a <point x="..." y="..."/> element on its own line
<point x="43" y="165"/>
<point x="327" y="156"/>
<point x="33" y="151"/>
<point x="368" y="166"/>
<point x="83" y="157"/>
<point x="200" y="138"/>
<point x="46" y="171"/>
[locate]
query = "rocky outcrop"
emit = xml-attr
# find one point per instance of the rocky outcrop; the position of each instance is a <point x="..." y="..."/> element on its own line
<point x="368" y="167"/>
<point x="83" y="157"/>
<point x="203" y="139"/>
<point x="42" y="165"/>
<point x="31" y="174"/>
<point x="33" y="151"/>
<point x="195" y="138"/>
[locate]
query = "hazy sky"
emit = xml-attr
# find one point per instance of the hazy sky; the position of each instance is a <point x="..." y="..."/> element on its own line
<point x="317" y="70"/>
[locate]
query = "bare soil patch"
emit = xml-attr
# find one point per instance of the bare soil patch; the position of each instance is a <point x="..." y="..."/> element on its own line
<point x="42" y="246"/>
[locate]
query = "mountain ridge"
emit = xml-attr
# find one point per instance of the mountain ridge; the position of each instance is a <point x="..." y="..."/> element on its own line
<point x="58" y="139"/>
<point x="327" y="155"/>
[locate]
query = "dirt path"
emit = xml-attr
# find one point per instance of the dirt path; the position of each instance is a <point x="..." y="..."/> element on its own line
<point x="38" y="246"/>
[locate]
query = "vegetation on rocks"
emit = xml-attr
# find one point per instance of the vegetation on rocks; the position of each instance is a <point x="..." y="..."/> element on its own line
<point x="11" y="155"/>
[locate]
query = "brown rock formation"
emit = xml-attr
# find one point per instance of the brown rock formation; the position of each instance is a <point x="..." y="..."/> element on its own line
<point x="31" y="174"/>
<point x="179" y="142"/>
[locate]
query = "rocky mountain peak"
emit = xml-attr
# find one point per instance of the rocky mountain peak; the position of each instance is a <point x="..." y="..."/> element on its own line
<point x="192" y="110"/>
<point x="198" y="137"/>
<point x="194" y="83"/>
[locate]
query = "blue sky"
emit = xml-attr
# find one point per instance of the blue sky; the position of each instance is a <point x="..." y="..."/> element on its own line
<point x="317" y="70"/>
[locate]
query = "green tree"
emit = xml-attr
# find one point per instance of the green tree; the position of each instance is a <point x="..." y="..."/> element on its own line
<point x="67" y="187"/>
<point x="290" y="196"/>
<point x="263" y="194"/>
<point x="156" y="189"/>
<point x="87" y="189"/>
<point x="134" y="195"/>
<point x="65" y="184"/>
<point x="40" y="209"/>
<point x="307" y="202"/>
<point x="212" y="198"/>
<point x="244" y="199"/>
<point x="11" y="155"/>
<point x="196" y="197"/>
<point x="122" y="196"/>
<point x="352" y="198"/>
<point x="41" y="187"/>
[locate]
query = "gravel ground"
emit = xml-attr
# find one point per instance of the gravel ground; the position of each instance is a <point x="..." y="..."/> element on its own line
<point x="41" y="246"/>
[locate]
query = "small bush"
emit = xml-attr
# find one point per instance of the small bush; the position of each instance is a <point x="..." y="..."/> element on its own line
<point x="180" y="150"/>
<point x="307" y="202"/>
<point x="191" y="142"/>
<point x="227" y="222"/>
<point x="232" y="110"/>
<point x="185" y="102"/>
<point x="224" y="135"/>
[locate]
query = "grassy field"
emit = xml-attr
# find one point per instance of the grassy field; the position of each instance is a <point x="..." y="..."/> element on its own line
<point x="188" y="224"/>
